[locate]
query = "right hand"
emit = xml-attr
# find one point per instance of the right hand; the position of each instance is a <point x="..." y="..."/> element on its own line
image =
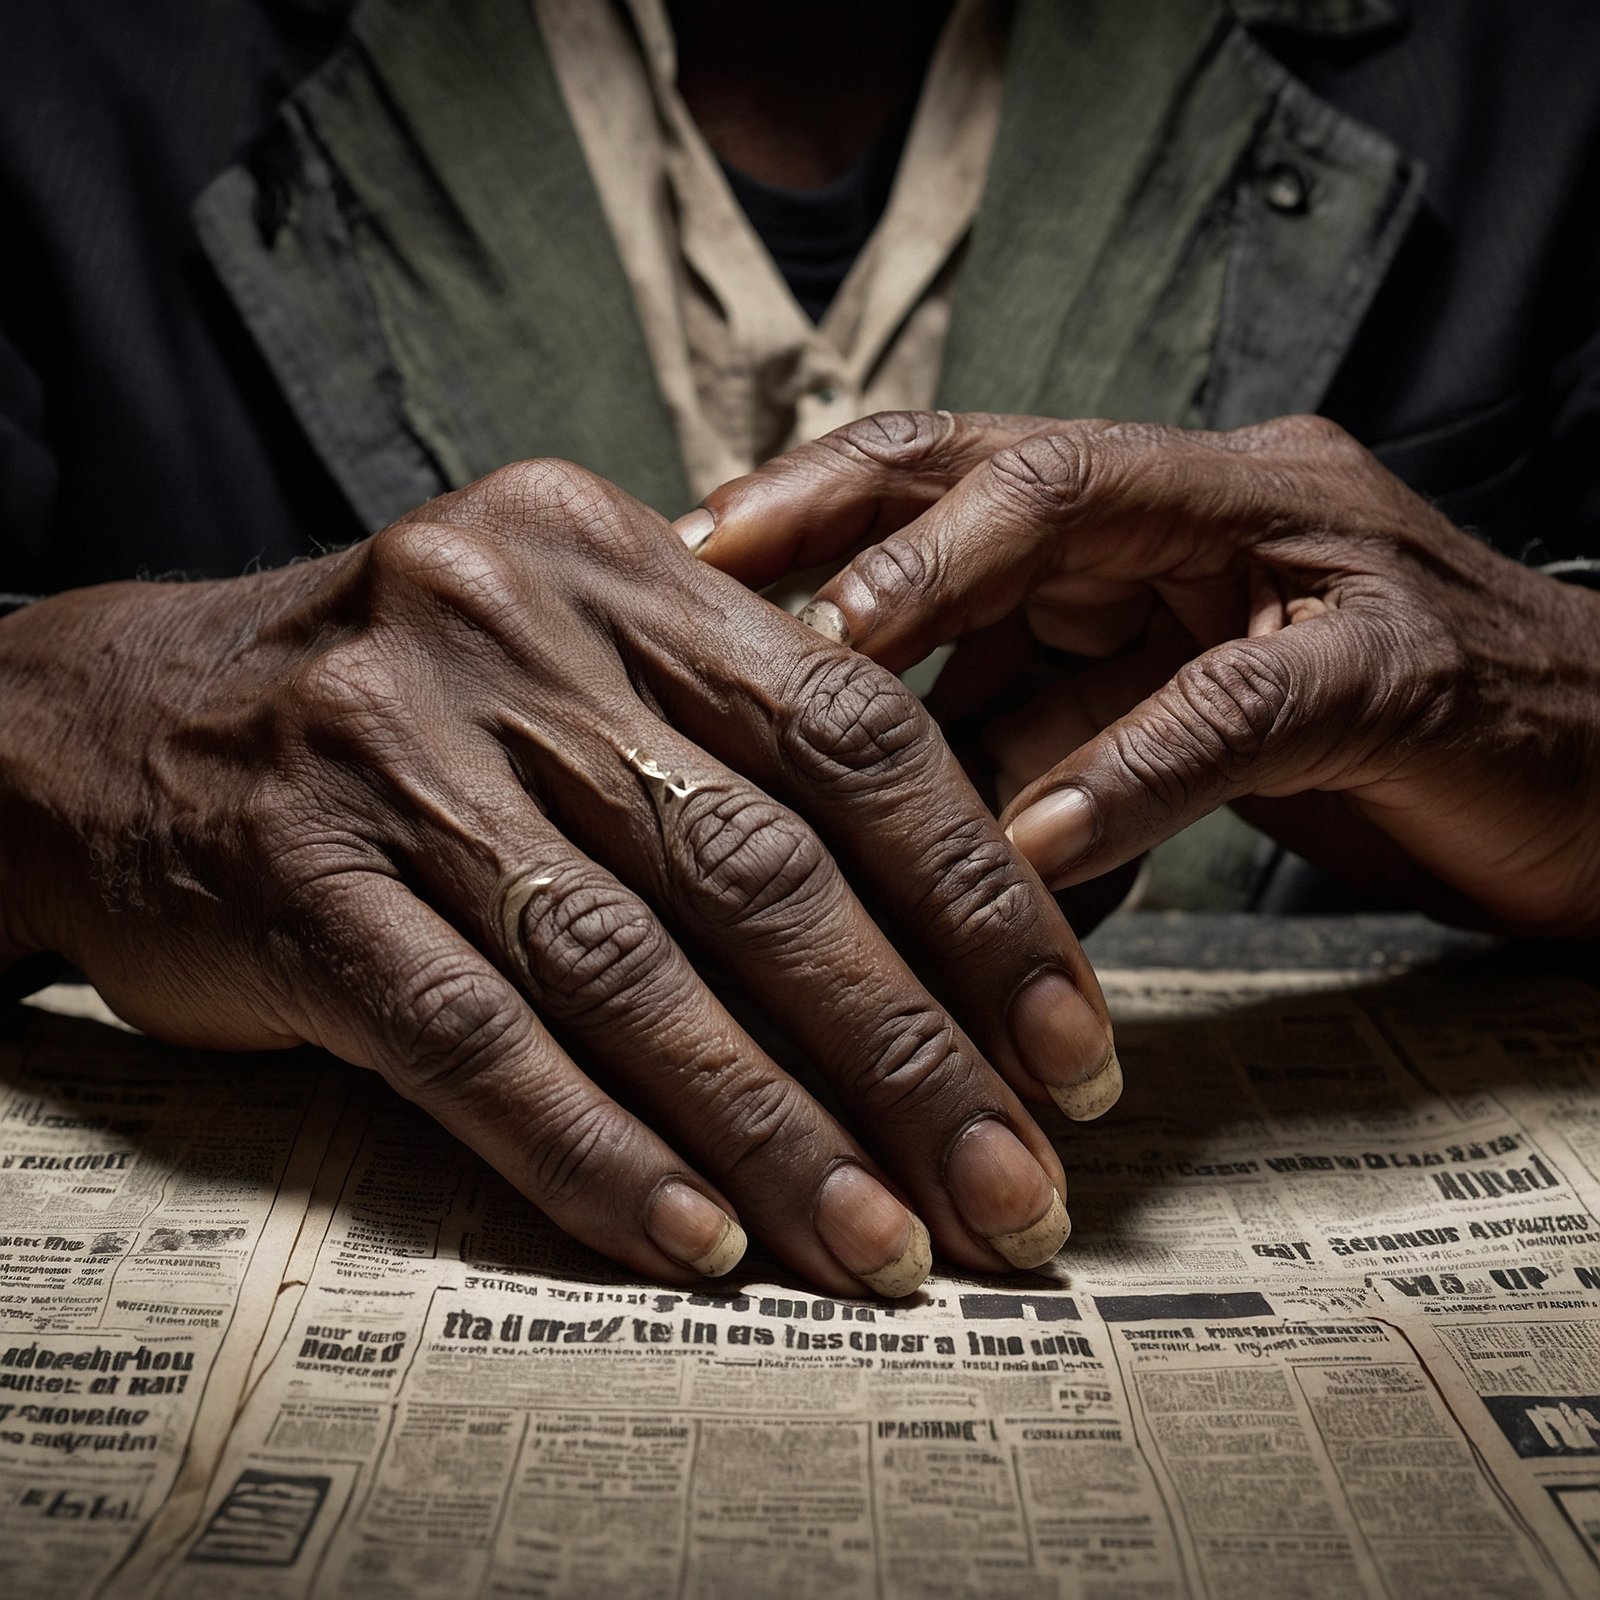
<point x="434" y="802"/>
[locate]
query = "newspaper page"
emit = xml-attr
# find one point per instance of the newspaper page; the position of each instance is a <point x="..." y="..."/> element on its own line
<point x="1328" y="1325"/>
<point x="149" y="1199"/>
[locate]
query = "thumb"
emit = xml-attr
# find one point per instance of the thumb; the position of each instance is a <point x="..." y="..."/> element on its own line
<point x="1270" y="716"/>
<point x="817" y="501"/>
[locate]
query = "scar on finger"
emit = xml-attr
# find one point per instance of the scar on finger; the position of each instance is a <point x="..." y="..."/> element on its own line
<point x="667" y="789"/>
<point x="675" y="783"/>
<point x="511" y="896"/>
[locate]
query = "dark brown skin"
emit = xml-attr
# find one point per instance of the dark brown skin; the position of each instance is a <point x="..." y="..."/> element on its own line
<point x="1265" y="617"/>
<point x="455" y="802"/>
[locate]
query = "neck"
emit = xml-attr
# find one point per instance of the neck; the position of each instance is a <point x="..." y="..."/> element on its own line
<point x="795" y="94"/>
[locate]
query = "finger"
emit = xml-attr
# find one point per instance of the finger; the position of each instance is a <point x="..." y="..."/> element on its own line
<point x="854" y="753"/>
<point x="749" y="885"/>
<point x="387" y="984"/>
<point x="602" y="971"/>
<point x="861" y="481"/>
<point x="619" y="995"/>
<point x="1269" y="716"/>
<point x="851" y="749"/>
<point x="1117" y="502"/>
<point x="597" y="757"/>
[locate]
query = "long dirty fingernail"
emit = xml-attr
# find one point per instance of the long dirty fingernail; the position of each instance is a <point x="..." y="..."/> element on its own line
<point x="1066" y="1046"/>
<point x="1005" y="1195"/>
<point x="824" y="617"/>
<point x="695" y="527"/>
<point x="1093" y="1096"/>
<point x="1053" y="832"/>
<point x="695" y="1230"/>
<point x="869" y="1233"/>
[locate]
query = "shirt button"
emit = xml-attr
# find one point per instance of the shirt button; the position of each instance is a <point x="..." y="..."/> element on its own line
<point x="1284" y="188"/>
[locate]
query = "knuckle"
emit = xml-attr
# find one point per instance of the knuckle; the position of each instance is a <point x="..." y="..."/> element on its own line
<point x="751" y="863"/>
<point x="573" y="1145"/>
<point x="895" y="568"/>
<point x="345" y="688"/>
<point x="530" y="490"/>
<point x="912" y="1061"/>
<point x="460" y="1021"/>
<point x="1162" y="757"/>
<point x="1141" y="435"/>
<point x="895" y="439"/>
<point x="853" y="721"/>
<point x="1309" y="435"/>
<point x="756" y="1118"/>
<point x="1215" y="722"/>
<point x="570" y="503"/>
<point x="578" y="509"/>
<point x="980" y="895"/>
<point x="590" y="946"/>
<point x="460" y="567"/>
<point x="1311" y="429"/>
<point x="1239" y="696"/>
<point x="1047" y="474"/>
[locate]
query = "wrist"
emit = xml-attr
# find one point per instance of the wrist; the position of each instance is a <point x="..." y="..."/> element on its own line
<point x="89" y="679"/>
<point x="1530" y="734"/>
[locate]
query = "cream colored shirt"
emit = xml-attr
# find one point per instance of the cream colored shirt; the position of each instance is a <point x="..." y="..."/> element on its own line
<point x="745" y="372"/>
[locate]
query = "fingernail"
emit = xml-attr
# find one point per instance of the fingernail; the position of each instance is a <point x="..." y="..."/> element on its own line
<point x="695" y="1231"/>
<point x="869" y="1233"/>
<point x="824" y="617"/>
<point x="1066" y="1046"/>
<point x="1005" y="1195"/>
<point x="1093" y="1096"/>
<point x="1053" y="832"/>
<point x="695" y="527"/>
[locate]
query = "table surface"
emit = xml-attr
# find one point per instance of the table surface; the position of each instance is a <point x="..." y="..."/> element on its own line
<point x="1242" y="941"/>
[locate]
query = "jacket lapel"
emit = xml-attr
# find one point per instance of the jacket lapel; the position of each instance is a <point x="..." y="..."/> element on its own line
<point x="417" y="248"/>
<point x="1175" y="229"/>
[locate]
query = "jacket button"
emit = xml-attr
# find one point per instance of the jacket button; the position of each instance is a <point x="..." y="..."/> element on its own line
<point x="1284" y="188"/>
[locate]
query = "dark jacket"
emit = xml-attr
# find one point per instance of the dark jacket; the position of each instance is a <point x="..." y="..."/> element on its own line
<point x="270" y="274"/>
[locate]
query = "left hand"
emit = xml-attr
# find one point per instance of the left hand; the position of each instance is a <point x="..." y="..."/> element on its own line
<point x="1266" y="617"/>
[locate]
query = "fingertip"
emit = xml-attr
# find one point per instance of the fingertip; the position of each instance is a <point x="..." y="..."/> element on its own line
<point x="1092" y="1096"/>
<point x="844" y="611"/>
<point x="1008" y="1194"/>
<point x="1055" y="831"/>
<point x="871" y="1234"/>
<point x="694" y="1230"/>
<point x="1065" y="1043"/>
<point x="824" y="617"/>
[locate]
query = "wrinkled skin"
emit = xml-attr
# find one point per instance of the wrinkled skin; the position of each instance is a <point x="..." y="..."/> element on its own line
<point x="457" y="802"/>
<point x="1265" y="617"/>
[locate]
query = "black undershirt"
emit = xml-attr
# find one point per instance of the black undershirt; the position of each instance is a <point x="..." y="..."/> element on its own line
<point x="815" y="235"/>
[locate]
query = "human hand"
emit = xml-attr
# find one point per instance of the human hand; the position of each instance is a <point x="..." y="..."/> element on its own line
<point x="454" y="803"/>
<point x="1266" y="617"/>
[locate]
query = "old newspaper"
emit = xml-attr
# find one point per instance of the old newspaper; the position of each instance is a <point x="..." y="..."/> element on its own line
<point x="1328" y="1325"/>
